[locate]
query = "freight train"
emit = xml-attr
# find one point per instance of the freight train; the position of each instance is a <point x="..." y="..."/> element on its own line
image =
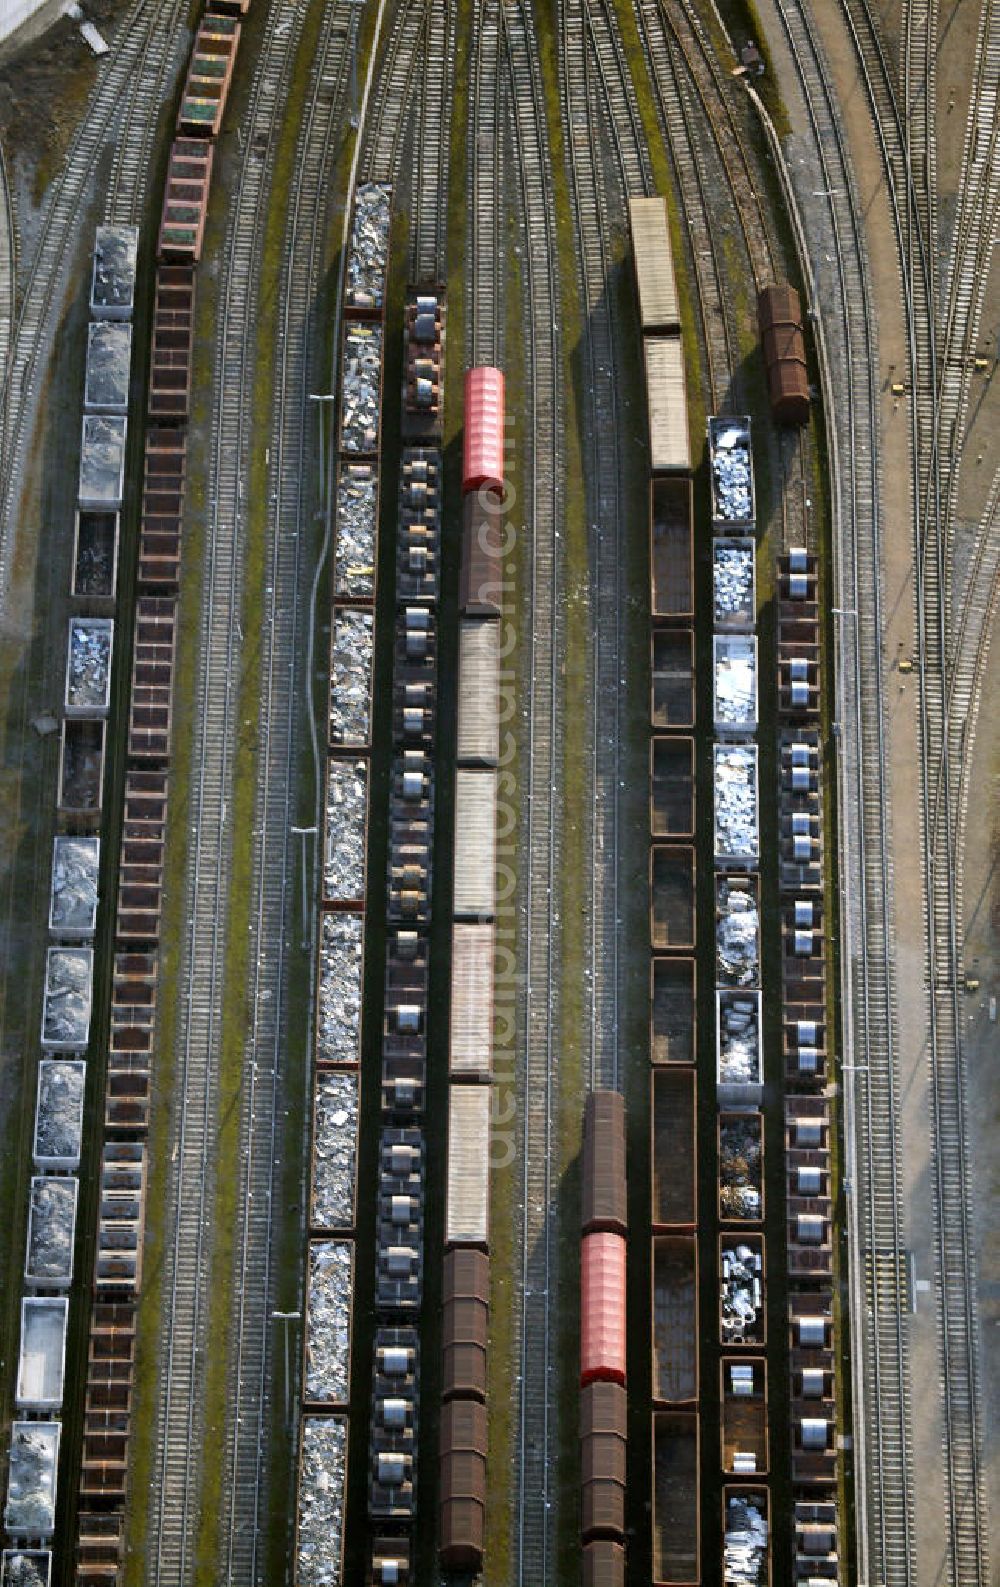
<point x="740" y="1257"/>
<point x="462" y="1461"/>
<point x="603" y="1406"/>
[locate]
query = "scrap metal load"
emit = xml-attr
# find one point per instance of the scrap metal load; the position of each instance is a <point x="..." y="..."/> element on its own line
<point x="734" y="505"/>
<point x="602" y="1328"/>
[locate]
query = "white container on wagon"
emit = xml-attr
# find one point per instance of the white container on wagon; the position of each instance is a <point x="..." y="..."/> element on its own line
<point x="41" y="1366"/>
<point x="467" y="1209"/>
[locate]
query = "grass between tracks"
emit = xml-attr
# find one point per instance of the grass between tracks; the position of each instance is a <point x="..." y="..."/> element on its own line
<point x="236" y="1009"/>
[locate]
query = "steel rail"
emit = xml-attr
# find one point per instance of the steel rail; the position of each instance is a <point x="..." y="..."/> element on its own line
<point x="484" y="279"/>
<point x="121" y="76"/>
<point x="278" y="729"/>
<point x="429" y="223"/>
<point x="382" y="142"/>
<point x="179" y="1418"/>
<point x="853" y="424"/>
<point x="534" y="1506"/>
<point x="676" y="118"/>
<point x="957" y="1316"/>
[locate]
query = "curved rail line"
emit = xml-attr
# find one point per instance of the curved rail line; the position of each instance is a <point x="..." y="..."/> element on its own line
<point x="883" y="1454"/>
<point x="957" y="1314"/>
<point x="285" y="684"/>
<point x="122" y="78"/>
<point x="678" y="125"/>
<point x="174" y="1504"/>
<point x="534" y="1511"/>
<point x="382" y="151"/>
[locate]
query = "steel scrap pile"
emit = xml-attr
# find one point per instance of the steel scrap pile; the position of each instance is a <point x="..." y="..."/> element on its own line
<point x="742" y="1293"/>
<point x="346" y="810"/>
<point x="89" y="666"/>
<point x="361" y="388"/>
<point x="68" y="981"/>
<point x="736" y="938"/>
<point x="351" y="678"/>
<point x="322" y="1471"/>
<point x="354" y="556"/>
<point x="745" y="1543"/>
<point x="739" y="1041"/>
<point x="31" y="1479"/>
<point x="735" y="686"/>
<point x="335" y="1143"/>
<point x="21" y="1571"/>
<point x="731" y="468"/>
<point x="74" y="884"/>
<point x="739" y="1169"/>
<point x="735" y="802"/>
<point x="53" y="1205"/>
<point x="328" y="1314"/>
<point x="340" y="963"/>
<point x="733" y="582"/>
<point x="60" y="1110"/>
<point x="369" y="252"/>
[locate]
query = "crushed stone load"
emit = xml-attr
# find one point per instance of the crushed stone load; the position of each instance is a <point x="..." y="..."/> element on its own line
<point x="51" y="1227"/>
<point x="361" y="388"/>
<point x="31" y="1480"/>
<point x="346" y="820"/>
<point x="328" y="1320"/>
<point x="732" y="471"/>
<point x="742" y="1293"/>
<point x="322" y="1476"/>
<point x="369" y="250"/>
<point x="341" y="954"/>
<point x="739" y="1039"/>
<point x="335" y="1151"/>
<point x="351" y="678"/>
<point x="88" y="665"/>
<point x="745" y="1544"/>
<point x="736" y="829"/>
<point x="76" y="866"/>
<point x="112" y="290"/>
<point x="354" y="555"/>
<point x="59" y="1113"/>
<point x="737" y="936"/>
<point x="69" y="975"/>
<point x="733" y="584"/>
<point x="740" y="1166"/>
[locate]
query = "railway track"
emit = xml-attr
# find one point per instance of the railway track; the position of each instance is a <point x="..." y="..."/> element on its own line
<point x="404" y="60"/>
<point x="484" y="278"/>
<point x="694" y="157"/>
<point x="131" y="75"/>
<point x="429" y="223"/>
<point x="967" y="1544"/>
<point x="8" y="266"/>
<point x="175" y="1512"/>
<point x="592" y="80"/>
<point x="883" y="1454"/>
<point x="285" y="684"/>
<point x="542" y="469"/>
